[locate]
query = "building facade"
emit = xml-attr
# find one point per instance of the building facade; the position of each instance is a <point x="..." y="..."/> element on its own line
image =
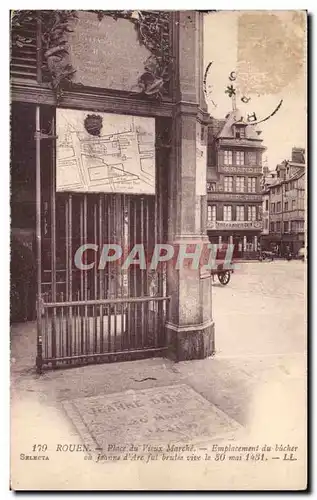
<point x="108" y="114"/>
<point x="284" y="200"/>
<point x="268" y="179"/>
<point x="234" y="172"/>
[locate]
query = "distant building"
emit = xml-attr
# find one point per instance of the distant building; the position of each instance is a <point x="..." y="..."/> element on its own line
<point x="268" y="179"/>
<point x="284" y="205"/>
<point x="234" y="192"/>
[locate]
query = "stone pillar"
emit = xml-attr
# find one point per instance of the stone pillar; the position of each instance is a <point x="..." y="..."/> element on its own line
<point x="190" y="329"/>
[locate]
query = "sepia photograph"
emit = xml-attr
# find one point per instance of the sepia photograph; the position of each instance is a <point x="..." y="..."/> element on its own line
<point x="158" y="250"/>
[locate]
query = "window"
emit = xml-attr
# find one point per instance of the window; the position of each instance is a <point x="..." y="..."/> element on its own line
<point x="273" y="208"/>
<point x="279" y="206"/>
<point x="267" y="205"/>
<point x="278" y="190"/>
<point x="252" y="184"/>
<point x="240" y="212"/>
<point x="278" y="226"/>
<point x="227" y="157"/>
<point x="286" y="225"/>
<point x="252" y="158"/>
<point x="229" y="184"/>
<point x="286" y="206"/>
<point x="266" y="224"/>
<point x="286" y="187"/>
<point x="240" y="157"/>
<point x="227" y="212"/>
<point x="211" y="213"/>
<point x="240" y="132"/>
<point x="300" y="225"/>
<point x="240" y="184"/>
<point x="272" y="227"/>
<point x="293" y="204"/>
<point x="293" y="226"/>
<point x="252" y="213"/>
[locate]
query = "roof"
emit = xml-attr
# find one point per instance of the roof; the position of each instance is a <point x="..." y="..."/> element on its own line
<point x="295" y="164"/>
<point x="297" y="175"/>
<point x="235" y="116"/>
<point x="279" y="182"/>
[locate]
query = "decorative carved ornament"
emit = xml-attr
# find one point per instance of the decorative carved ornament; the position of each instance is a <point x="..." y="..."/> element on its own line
<point x="152" y="29"/>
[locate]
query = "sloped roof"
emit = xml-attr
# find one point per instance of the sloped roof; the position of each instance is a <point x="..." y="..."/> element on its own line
<point x="297" y="175"/>
<point x="295" y="164"/>
<point x="227" y="129"/>
<point x="215" y="127"/>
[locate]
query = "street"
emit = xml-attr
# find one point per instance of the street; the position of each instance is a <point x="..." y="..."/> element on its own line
<point x="256" y="380"/>
<point x="262" y="310"/>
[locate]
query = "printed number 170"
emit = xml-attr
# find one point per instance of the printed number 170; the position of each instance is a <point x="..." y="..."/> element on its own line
<point x="39" y="447"/>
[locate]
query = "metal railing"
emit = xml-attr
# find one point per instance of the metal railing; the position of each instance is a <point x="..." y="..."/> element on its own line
<point x="82" y="332"/>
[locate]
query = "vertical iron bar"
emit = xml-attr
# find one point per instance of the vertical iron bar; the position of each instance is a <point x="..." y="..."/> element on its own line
<point x="67" y="272"/>
<point x="82" y="323"/>
<point x="79" y="325"/>
<point x="101" y="282"/>
<point x="129" y="281"/>
<point x="70" y="269"/>
<point x="109" y="327"/>
<point x="107" y="234"/>
<point x="62" y="344"/>
<point x="115" y="327"/>
<point x="135" y="329"/>
<point x="46" y="329"/>
<point x="95" y="278"/>
<point x="142" y="272"/>
<point x="156" y="276"/>
<point x="122" y="273"/>
<point x="39" y="354"/>
<point x="85" y="279"/>
<point x="160" y="236"/>
<point x="146" y="272"/>
<point x="53" y="240"/>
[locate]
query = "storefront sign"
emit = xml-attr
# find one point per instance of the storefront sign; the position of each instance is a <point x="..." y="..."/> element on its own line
<point x="218" y="225"/>
<point x="118" y="156"/>
<point x="239" y="170"/>
<point x="234" y="197"/>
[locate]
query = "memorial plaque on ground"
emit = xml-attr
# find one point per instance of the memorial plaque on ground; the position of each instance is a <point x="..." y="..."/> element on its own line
<point x="160" y="415"/>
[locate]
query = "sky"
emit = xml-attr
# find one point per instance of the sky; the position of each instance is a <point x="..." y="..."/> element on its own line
<point x="262" y="54"/>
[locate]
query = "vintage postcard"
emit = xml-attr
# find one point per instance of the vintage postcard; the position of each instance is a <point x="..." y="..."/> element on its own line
<point x="158" y="250"/>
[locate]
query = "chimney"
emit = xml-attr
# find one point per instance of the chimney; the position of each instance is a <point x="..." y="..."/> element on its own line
<point x="298" y="155"/>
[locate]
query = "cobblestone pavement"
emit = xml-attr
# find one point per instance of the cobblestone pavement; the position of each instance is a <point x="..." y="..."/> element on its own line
<point x="257" y="376"/>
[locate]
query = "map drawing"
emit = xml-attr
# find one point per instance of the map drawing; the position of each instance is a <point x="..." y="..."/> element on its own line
<point x="120" y="160"/>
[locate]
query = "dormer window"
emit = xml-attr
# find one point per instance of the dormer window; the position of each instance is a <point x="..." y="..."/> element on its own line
<point x="239" y="132"/>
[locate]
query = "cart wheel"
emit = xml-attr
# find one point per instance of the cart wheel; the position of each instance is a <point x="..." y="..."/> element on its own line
<point x="224" y="277"/>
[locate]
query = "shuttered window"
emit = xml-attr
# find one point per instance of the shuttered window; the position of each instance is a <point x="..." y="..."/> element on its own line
<point x="23" y="50"/>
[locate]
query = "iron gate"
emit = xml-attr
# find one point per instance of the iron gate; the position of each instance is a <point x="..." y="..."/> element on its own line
<point x="88" y="316"/>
